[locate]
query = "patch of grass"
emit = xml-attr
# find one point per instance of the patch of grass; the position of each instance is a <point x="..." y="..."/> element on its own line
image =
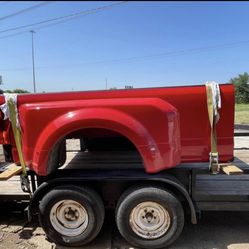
<point x="242" y="114"/>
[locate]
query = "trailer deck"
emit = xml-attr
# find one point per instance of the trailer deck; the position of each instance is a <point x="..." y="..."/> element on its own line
<point x="11" y="189"/>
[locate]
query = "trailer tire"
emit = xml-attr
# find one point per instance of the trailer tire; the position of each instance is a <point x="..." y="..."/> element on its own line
<point x="149" y="217"/>
<point x="71" y="215"/>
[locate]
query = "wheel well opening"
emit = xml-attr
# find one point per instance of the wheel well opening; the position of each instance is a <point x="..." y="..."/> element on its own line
<point x="96" y="146"/>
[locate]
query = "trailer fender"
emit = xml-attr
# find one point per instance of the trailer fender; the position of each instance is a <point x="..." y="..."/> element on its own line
<point x="176" y="185"/>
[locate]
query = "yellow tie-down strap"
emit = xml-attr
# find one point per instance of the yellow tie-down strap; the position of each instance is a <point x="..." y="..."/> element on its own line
<point x="16" y="131"/>
<point x="9" y="108"/>
<point x="213" y="104"/>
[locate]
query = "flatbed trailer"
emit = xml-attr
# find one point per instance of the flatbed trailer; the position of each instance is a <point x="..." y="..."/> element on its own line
<point x="10" y="190"/>
<point x="206" y="192"/>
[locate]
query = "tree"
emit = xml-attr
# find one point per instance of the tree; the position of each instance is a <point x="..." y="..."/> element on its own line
<point x="1" y="83"/>
<point x="18" y="90"/>
<point x="241" y="84"/>
<point x="128" y="87"/>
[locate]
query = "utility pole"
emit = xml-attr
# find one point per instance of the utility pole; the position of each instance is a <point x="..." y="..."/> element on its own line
<point x="33" y="58"/>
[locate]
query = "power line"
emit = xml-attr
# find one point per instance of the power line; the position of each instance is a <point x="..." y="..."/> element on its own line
<point x="16" y="69"/>
<point x="25" y="10"/>
<point x="69" y="17"/>
<point x="15" y="34"/>
<point x="48" y="25"/>
<point x="144" y="57"/>
<point x="74" y="17"/>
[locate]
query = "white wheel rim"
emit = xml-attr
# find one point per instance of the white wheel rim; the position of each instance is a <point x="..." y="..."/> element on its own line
<point x="69" y="218"/>
<point x="149" y="220"/>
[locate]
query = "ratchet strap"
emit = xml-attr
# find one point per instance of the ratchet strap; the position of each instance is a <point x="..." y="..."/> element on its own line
<point x="17" y="133"/>
<point x="12" y="113"/>
<point x="9" y="108"/>
<point x="213" y="104"/>
<point x="13" y="116"/>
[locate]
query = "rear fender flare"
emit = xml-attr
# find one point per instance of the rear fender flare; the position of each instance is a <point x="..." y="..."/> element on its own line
<point x="105" y="118"/>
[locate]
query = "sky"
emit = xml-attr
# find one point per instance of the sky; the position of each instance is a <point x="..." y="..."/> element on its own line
<point x="140" y="44"/>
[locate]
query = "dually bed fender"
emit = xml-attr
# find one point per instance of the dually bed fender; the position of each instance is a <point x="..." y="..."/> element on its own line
<point x="105" y="118"/>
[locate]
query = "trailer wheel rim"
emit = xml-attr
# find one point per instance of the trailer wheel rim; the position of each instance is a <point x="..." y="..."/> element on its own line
<point x="69" y="218"/>
<point x="149" y="220"/>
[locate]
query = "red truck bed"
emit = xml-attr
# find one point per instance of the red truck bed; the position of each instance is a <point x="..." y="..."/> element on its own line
<point x="166" y="125"/>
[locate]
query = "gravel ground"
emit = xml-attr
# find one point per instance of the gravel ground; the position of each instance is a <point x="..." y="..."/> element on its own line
<point x="216" y="230"/>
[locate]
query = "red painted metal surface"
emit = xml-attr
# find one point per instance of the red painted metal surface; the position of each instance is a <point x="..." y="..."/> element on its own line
<point x="167" y="125"/>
